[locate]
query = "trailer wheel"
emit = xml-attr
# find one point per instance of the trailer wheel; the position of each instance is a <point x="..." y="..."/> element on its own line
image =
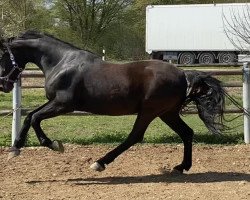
<point x="206" y="58"/>
<point x="226" y="57"/>
<point x="186" y="58"/>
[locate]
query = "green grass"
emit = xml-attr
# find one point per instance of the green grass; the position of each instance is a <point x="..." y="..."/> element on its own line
<point x="31" y="98"/>
<point x="108" y="129"/>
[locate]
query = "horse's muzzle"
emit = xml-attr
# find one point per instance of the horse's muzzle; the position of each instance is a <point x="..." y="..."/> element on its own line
<point x="6" y="87"/>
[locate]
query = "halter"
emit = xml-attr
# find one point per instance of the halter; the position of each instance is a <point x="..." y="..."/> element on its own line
<point x="15" y="67"/>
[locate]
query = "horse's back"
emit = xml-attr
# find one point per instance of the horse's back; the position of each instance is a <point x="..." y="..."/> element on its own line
<point x="164" y="82"/>
<point x="133" y="78"/>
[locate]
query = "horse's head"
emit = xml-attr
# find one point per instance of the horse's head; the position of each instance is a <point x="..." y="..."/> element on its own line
<point x="9" y="70"/>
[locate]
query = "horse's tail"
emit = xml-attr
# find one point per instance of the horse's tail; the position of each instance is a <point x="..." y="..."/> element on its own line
<point x="209" y="96"/>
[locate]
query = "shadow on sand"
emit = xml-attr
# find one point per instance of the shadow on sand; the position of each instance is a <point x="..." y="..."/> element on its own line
<point x="207" y="177"/>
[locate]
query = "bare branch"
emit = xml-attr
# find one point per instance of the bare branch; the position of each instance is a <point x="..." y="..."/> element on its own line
<point x="237" y="28"/>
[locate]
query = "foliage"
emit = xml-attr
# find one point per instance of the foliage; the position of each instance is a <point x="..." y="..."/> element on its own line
<point x="20" y="15"/>
<point x="91" y="18"/>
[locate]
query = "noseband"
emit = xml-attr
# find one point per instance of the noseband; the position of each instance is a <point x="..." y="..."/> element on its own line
<point x="15" y="67"/>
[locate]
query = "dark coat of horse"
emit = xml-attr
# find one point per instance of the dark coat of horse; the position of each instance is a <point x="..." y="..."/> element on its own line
<point x="78" y="80"/>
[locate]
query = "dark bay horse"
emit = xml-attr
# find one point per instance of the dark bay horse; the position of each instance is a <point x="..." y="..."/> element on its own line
<point x="78" y="80"/>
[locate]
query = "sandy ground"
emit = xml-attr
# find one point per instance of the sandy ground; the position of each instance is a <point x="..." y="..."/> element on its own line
<point x="218" y="172"/>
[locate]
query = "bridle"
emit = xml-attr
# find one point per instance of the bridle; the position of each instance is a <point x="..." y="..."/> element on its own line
<point x="15" y="68"/>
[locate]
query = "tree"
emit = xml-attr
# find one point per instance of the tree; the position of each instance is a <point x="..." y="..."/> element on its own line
<point x="20" y="15"/>
<point x="237" y="28"/>
<point x="90" y="19"/>
<point x="15" y="15"/>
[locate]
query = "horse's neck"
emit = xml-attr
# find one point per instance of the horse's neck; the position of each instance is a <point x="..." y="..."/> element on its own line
<point x="42" y="55"/>
<point x="46" y="58"/>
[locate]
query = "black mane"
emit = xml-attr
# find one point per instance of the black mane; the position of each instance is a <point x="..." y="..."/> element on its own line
<point x="32" y="34"/>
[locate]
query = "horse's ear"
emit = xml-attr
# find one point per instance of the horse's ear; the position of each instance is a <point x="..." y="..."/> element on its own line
<point x="1" y="39"/>
<point x="1" y="43"/>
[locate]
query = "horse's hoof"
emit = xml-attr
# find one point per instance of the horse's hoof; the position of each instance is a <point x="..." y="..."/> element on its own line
<point x="97" y="167"/>
<point x="176" y="172"/>
<point x="13" y="152"/>
<point x="57" y="146"/>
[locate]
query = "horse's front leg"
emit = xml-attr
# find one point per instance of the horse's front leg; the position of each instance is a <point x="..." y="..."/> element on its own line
<point x="51" y="109"/>
<point x="186" y="134"/>
<point x="22" y="135"/>
<point x="48" y="110"/>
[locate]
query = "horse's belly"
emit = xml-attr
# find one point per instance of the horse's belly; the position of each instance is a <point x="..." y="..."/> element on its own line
<point x="110" y="108"/>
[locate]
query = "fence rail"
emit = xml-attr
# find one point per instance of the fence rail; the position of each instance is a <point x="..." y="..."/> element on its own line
<point x="39" y="74"/>
<point x="24" y="112"/>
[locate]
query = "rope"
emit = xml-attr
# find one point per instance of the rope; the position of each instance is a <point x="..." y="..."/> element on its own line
<point x="237" y="104"/>
<point x="11" y="112"/>
<point x="245" y="111"/>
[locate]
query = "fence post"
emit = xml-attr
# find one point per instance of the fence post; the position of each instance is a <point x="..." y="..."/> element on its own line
<point x="246" y="101"/>
<point x="16" y="99"/>
<point x="103" y="54"/>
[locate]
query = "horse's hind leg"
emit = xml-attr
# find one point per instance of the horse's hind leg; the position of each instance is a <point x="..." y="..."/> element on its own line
<point x="186" y="133"/>
<point x="135" y="136"/>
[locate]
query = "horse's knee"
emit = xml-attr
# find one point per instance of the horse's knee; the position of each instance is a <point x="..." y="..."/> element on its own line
<point x="34" y="121"/>
<point x="27" y="120"/>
